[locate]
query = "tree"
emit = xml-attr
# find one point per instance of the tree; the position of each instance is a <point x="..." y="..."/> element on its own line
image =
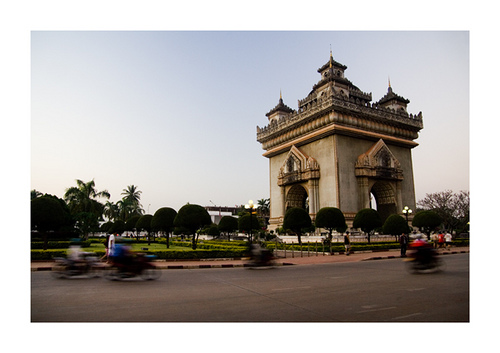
<point x="130" y="225"/>
<point x="82" y="198"/>
<point x="118" y="227"/>
<point x="367" y="219"/>
<point x="35" y="194"/>
<point x="395" y="225"/>
<point x="228" y="225"/>
<point x="144" y="224"/>
<point x="212" y="230"/>
<point x="296" y="219"/>
<point x="106" y="227"/>
<point x="263" y="208"/>
<point x="452" y="208"/>
<point x="163" y="221"/>
<point x="330" y="218"/>
<point x="47" y="214"/>
<point x="132" y="197"/>
<point x="248" y="223"/>
<point x="192" y="218"/>
<point x="111" y="211"/>
<point x="86" y="222"/>
<point x="427" y="221"/>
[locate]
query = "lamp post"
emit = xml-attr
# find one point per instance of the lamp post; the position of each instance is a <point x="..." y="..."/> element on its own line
<point x="250" y="206"/>
<point x="407" y="211"/>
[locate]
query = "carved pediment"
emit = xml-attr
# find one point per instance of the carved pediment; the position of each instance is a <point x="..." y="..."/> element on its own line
<point x="379" y="162"/>
<point x="297" y="167"/>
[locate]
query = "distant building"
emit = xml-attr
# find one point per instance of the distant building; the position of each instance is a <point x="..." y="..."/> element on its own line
<point x="217" y="212"/>
<point x="339" y="148"/>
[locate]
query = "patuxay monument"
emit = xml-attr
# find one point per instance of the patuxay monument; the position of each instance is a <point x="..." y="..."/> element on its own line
<point x="338" y="149"/>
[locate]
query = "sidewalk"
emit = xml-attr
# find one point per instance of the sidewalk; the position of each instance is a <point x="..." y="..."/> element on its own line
<point x="297" y="259"/>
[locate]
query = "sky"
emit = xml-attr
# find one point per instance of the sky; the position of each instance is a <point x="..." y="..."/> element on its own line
<point x="175" y="112"/>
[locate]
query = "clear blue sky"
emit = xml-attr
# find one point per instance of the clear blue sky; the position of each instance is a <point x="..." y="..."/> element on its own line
<point x="175" y="113"/>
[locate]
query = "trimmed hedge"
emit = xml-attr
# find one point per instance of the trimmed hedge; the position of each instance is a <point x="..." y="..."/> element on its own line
<point x="59" y="244"/>
<point x="198" y="254"/>
<point x="40" y="255"/>
<point x="235" y="250"/>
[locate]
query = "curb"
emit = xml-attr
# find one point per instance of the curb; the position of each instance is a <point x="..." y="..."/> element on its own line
<point x="188" y="267"/>
<point x="247" y="265"/>
<point x="399" y="256"/>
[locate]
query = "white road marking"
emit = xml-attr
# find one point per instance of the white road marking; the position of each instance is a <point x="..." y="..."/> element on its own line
<point x="372" y="310"/>
<point x="405" y="316"/>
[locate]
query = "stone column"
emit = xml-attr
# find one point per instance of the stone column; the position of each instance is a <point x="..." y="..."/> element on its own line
<point x="364" y="193"/>
<point x="313" y="190"/>
<point x="283" y="201"/>
<point x="399" y="197"/>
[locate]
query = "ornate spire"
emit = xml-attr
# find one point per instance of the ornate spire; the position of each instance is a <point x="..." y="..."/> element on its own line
<point x="280" y="107"/>
<point x="391" y="96"/>
<point x="331" y="57"/>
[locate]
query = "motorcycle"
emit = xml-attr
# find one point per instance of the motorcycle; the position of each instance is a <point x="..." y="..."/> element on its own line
<point x="424" y="260"/>
<point x="260" y="257"/>
<point x="89" y="266"/>
<point x="140" y="265"/>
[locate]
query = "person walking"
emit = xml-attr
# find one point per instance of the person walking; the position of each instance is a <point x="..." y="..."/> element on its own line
<point x="111" y="246"/>
<point x="434" y="240"/>
<point x="448" y="239"/>
<point x="441" y="240"/>
<point x="106" y="244"/>
<point x="403" y="241"/>
<point x="347" y="243"/>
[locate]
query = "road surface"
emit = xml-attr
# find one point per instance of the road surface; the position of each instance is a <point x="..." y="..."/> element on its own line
<point x="369" y="291"/>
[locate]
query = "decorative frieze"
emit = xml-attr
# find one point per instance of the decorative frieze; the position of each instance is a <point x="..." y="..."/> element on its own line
<point x="298" y="167"/>
<point x="337" y="109"/>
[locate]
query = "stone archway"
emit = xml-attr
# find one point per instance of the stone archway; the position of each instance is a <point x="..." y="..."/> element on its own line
<point x="385" y="197"/>
<point x="379" y="173"/>
<point x="297" y="197"/>
<point x="298" y="179"/>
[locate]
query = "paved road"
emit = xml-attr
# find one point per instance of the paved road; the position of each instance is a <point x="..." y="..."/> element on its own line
<point x="370" y="291"/>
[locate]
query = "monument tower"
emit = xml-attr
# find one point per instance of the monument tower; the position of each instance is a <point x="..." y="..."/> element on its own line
<point x="339" y="149"/>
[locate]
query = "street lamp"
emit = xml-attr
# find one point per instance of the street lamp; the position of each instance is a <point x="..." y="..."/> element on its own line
<point x="407" y="211"/>
<point x="250" y="206"/>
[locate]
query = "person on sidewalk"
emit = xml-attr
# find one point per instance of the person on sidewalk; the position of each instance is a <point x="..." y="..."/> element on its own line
<point x="448" y="239"/>
<point x="347" y="243"/>
<point x="403" y="241"/>
<point x="106" y="244"/>
<point x="441" y="240"/>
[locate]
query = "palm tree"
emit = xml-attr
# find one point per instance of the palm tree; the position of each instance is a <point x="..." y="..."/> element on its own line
<point x="264" y="207"/>
<point x="264" y="210"/>
<point x="125" y="209"/>
<point x="35" y="194"/>
<point x="82" y="198"/>
<point x="111" y="210"/>
<point x="132" y="197"/>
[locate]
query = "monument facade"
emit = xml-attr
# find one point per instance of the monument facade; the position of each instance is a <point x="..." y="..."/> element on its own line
<point x="340" y="150"/>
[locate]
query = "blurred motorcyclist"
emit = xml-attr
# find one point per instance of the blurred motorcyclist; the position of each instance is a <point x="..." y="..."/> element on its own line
<point x="76" y="258"/>
<point x="122" y="256"/>
<point x="260" y="256"/>
<point x="423" y="251"/>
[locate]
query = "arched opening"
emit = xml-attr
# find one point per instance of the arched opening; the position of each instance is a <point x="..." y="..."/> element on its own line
<point x="297" y="197"/>
<point x="373" y="201"/>
<point x="385" y="199"/>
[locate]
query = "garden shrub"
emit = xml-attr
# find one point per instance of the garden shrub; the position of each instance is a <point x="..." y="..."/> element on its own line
<point x="59" y="244"/>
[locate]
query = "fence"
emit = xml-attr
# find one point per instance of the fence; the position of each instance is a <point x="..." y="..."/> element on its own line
<point x="336" y="238"/>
